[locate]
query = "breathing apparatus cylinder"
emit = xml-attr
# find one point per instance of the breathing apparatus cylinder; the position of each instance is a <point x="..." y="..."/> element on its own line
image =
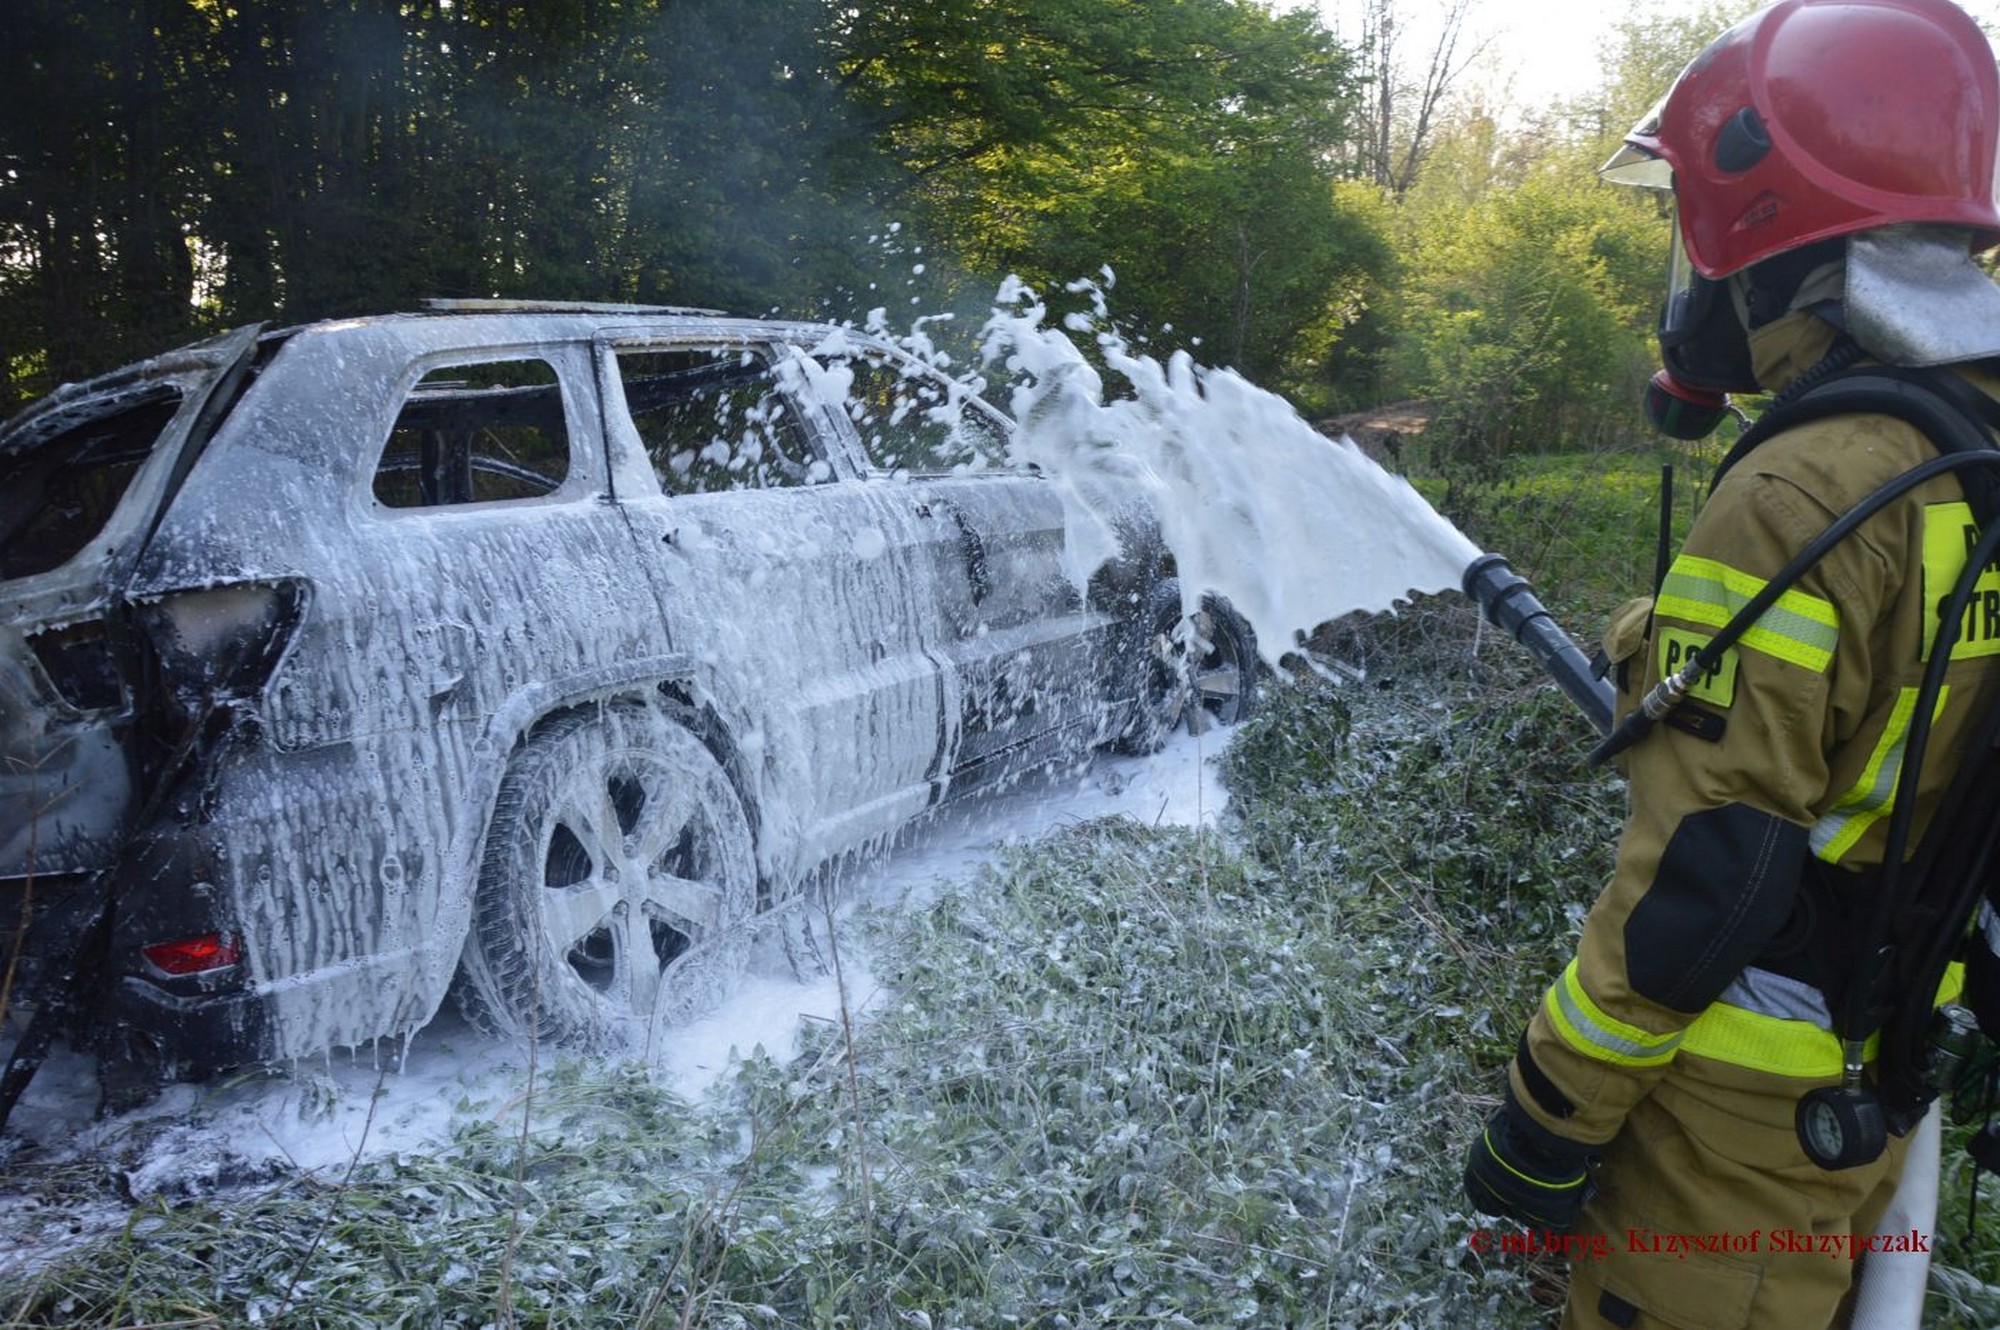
<point x="1954" y="1032"/>
<point x="1509" y="603"/>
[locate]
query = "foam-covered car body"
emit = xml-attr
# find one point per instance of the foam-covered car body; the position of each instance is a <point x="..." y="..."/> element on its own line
<point x="310" y="639"/>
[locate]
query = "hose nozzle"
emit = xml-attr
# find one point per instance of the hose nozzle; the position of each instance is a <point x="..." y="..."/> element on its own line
<point x="1508" y="602"/>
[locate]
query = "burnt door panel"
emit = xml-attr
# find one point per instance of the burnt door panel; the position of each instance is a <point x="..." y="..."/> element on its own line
<point x="800" y="596"/>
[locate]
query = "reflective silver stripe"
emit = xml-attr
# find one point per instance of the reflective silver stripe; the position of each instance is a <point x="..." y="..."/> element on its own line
<point x="1865" y="803"/>
<point x="1989" y="927"/>
<point x="1775" y="995"/>
<point x="1589" y="1029"/>
<point x="1801" y="629"/>
<point x="1861" y="807"/>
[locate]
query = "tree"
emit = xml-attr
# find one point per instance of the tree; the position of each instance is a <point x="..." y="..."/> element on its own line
<point x="1527" y="299"/>
<point x="1401" y="112"/>
<point x="1188" y="147"/>
<point x="175" y="165"/>
<point x="171" y="166"/>
<point x="1528" y="294"/>
<point x="95" y="182"/>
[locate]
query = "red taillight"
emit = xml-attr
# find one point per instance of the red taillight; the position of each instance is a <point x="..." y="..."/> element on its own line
<point x="195" y="955"/>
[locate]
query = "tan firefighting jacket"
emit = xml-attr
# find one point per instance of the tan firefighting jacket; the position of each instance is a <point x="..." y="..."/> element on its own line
<point x="1783" y="765"/>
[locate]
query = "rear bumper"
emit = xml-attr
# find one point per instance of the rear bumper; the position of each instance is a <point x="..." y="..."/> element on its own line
<point x="169" y="886"/>
<point x="181" y="1036"/>
<point x="153" y="1025"/>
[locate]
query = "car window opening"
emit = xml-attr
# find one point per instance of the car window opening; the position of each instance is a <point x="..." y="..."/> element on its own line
<point x="477" y="434"/>
<point x="711" y="424"/>
<point x="907" y="426"/>
<point x="56" y="496"/>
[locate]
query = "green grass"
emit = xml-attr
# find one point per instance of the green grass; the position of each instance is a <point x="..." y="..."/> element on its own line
<point x="1139" y="1077"/>
<point x="1582" y="525"/>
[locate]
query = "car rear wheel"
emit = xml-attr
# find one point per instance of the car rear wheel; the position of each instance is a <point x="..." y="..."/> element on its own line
<point x="1215" y="685"/>
<point x="618" y="884"/>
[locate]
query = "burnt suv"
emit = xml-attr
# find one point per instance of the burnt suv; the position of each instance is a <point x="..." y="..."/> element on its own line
<point x="544" y="648"/>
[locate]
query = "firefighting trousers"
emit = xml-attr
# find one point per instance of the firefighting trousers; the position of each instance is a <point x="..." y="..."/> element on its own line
<point x="1712" y="1218"/>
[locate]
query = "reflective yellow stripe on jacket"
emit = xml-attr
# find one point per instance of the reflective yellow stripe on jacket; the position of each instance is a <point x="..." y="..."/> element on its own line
<point x="1874" y="794"/>
<point x="1798" y="628"/>
<point x="1588" y="1029"/>
<point x="1764" y="1022"/>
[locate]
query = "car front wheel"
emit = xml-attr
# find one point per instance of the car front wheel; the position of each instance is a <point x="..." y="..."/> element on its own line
<point x="1196" y="673"/>
<point x="618" y="884"/>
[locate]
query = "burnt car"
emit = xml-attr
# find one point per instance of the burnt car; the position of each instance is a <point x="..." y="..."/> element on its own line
<point x="534" y="652"/>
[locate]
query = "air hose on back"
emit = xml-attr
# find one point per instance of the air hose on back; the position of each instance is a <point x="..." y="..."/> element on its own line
<point x="1942" y="406"/>
<point x="1922" y="907"/>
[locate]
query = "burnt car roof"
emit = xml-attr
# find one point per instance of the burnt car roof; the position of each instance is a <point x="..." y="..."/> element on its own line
<point x="552" y="319"/>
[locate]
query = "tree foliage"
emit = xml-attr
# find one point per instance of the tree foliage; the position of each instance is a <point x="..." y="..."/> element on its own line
<point x="1405" y="98"/>
<point x="1185" y="147"/>
<point x="1529" y="291"/>
<point x="1522" y="312"/>
<point x="170" y="166"/>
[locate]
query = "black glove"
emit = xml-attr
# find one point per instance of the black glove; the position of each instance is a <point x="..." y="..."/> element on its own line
<point x="1519" y="1169"/>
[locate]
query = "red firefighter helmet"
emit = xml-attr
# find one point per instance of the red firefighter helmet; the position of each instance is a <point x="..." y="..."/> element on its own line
<point x="1817" y="118"/>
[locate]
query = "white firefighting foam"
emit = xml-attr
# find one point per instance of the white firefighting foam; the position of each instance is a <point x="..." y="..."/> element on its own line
<point x="1295" y="529"/>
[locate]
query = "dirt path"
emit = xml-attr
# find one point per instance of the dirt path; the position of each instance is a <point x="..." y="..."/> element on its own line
<point x="1380" y="430"/>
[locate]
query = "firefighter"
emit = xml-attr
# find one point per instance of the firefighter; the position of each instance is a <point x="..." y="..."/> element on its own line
<point x="1831" y="169"/>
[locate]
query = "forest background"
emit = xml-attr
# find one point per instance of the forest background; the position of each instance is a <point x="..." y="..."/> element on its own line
<point x="1336" y="217"/>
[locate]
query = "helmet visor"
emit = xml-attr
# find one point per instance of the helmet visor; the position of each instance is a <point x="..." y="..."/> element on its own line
<point x="1701" y="338"/>
<point x="1633" y="164"/>
<point x="1688" y="296"/>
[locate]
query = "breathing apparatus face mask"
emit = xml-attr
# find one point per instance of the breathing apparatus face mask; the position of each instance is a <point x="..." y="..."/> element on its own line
<point x="1705" y="349"/>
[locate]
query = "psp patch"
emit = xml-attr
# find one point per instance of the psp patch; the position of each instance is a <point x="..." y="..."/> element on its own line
<point x="1715" y="685"/>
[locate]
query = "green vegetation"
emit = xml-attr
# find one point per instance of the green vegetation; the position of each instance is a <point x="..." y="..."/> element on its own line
<point x="1139" y="1077"/>
<point x="175" y="168"/>
<point x="1517" y="317"/>
<point x="1582" y="527"/>
<point x="178" y="167"/>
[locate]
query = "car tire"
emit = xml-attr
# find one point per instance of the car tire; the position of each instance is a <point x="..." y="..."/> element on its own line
<point x="617" y="888"/>
<point x="1218" y="688"/>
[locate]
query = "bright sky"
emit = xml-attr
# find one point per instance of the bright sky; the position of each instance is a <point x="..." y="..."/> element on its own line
<point x="1545" y="49"/>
